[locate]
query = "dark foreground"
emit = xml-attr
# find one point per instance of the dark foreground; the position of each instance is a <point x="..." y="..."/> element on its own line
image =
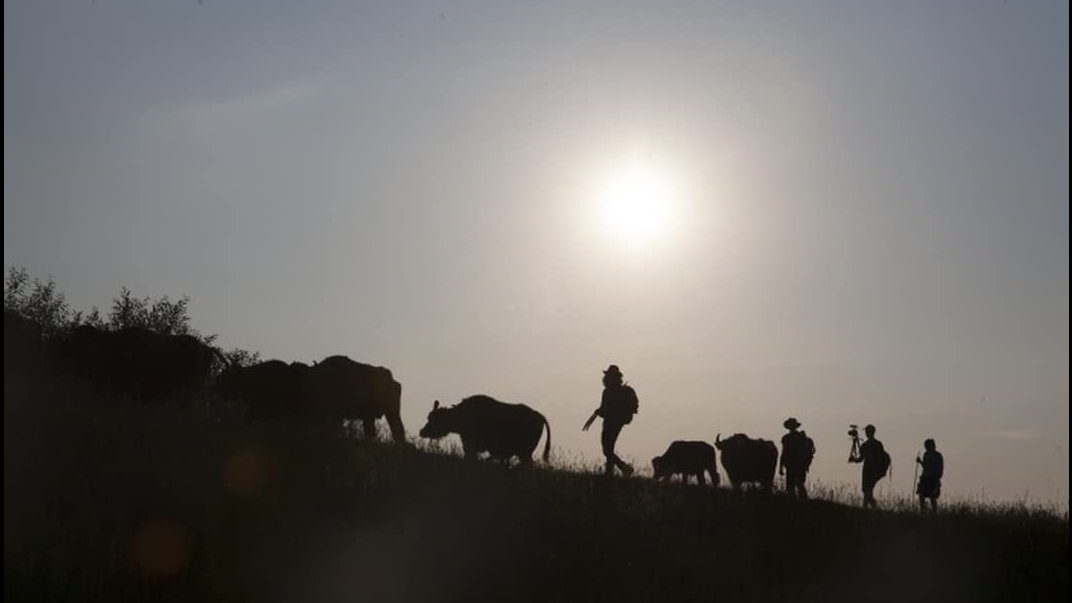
<point x="110" y="502"/>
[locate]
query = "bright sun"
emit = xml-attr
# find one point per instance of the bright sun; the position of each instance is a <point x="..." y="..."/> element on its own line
<point x="636" y="205"/>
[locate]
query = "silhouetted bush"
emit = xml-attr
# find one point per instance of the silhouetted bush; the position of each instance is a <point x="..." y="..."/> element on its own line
<point x="43" y="303"/>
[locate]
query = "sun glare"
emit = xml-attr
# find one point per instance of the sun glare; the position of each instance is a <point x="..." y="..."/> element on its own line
<point x="636" y="205"/>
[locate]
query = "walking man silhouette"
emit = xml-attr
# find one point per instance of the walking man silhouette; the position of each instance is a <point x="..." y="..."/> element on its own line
<point x="617" y="408"/>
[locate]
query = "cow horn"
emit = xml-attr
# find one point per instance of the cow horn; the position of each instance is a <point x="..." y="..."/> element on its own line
<point x="718" y="438"/>
<point x="435" y="405"/>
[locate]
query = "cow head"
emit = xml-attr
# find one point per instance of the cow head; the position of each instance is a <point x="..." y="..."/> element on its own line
<point x="733" y="442"/>
<point x="441" y="421"/>
<point x="660" y="466"/>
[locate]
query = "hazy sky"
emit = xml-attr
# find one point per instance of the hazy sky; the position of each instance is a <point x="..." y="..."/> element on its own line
<point x="867" y="206"/>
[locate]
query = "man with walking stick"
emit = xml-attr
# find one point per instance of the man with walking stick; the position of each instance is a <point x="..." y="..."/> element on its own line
<point x="617" y="408"/>
<point x="930" y="483"/>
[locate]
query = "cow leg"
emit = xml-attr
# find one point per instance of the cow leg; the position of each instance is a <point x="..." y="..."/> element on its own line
<point x="700" y="479"/>
<point x="370" y="428"/>
<point x="394" y="421"/>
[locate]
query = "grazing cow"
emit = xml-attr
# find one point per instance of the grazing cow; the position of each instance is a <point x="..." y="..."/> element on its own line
<point x="343" y="389"/>
<point x="748" y="461"/>
<point x="137" y="362"/>
<point x="268" y="389"/>
<point x="488" y="425"/>
<point x="687" y="458"/>
<point x="335" y="390"/>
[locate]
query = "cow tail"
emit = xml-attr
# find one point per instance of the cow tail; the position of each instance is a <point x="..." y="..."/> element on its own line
<point x="547" y="446"/>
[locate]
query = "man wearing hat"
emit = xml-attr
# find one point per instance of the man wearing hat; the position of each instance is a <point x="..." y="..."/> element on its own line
<point x="617" y="408"/>
<point x="797" y="452"/>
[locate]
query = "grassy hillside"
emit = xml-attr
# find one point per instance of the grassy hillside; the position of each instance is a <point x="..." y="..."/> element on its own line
<point x="107" y="501"/>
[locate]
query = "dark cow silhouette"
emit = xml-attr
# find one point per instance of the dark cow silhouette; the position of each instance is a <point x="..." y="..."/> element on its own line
<point x="343" y="389"/>
<point x="269" y="388"/>
<point x="335" y="390"/>
<point x="23" y="344"/>
<point x="137" y="362"/>
<point x="687" y="458"/>
<point x="488" y="425"/>
<point x="748" y="461"/>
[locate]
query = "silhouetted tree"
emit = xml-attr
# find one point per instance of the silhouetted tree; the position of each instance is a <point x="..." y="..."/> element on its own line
<point x="39" y="301"/>
<point x="42" y="302"/>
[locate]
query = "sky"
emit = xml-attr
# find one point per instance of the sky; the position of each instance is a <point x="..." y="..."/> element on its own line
<point x="862" y="207"/>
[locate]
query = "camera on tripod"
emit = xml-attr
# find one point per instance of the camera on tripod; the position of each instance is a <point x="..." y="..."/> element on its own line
<point x="854" y="452"/>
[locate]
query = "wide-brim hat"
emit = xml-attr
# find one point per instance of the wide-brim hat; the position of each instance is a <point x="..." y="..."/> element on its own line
<point x="791" y="423"/>
<point x="613" y="370"/>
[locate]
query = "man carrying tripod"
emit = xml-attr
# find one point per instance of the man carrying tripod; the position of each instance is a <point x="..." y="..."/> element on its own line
<point x="874" y="457"/>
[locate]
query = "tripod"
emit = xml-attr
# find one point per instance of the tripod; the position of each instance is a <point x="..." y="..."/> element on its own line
<point x="854" y="452"/>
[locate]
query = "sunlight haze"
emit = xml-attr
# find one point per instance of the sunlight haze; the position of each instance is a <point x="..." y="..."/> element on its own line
<point x="842" y="212"/>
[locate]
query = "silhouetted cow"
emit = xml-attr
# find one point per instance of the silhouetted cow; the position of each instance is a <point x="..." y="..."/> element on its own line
<point x="748" y="461"/>
<point x="343" y="389"/>
<point x="488" y="425"/>
<point x="333" y="391"/>
<point x="687" y="458"/>
<point x="271" y="388"/>
<point x="137" y="362"/>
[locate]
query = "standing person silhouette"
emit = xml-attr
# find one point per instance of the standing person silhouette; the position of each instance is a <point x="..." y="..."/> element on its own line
<point x="876" y="462"/>
<point x="617" y="408"/>
<point x="930" y="483"/>
<point x="798" y="450"/>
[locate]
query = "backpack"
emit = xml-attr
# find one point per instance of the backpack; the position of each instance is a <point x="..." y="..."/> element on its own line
<point x="807" y="451"/>
<point x="799" y="450"/>
<point x="882" y="462"/>
<point x="630" y="403"/>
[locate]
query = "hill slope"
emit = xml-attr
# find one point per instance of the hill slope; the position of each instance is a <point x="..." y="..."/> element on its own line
<point x="105" y="501"/>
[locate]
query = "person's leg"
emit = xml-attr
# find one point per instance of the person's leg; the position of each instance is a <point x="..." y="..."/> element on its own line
<point x="869" y="490"/>
<point x="796" y="483"/>
<point x="608" y="438"/>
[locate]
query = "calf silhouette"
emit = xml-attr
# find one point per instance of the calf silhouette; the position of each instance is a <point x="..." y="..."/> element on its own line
<point x="687" y="459"/>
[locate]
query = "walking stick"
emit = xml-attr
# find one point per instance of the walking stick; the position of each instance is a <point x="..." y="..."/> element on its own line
<point x="915" y="474"/>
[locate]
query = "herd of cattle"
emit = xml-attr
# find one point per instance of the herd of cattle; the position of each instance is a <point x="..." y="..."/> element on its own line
<point x="144" y="365"/>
